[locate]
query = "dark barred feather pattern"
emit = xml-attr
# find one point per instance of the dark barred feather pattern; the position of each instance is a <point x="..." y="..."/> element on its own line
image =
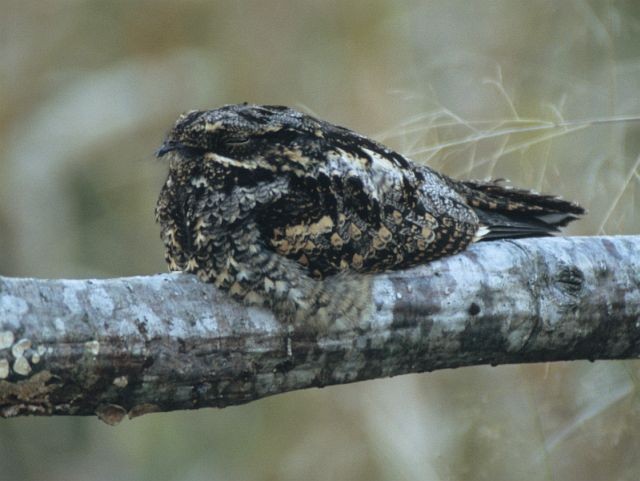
<point x="511" y="213"/>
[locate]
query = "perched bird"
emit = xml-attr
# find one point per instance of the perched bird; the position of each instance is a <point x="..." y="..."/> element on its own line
<point x="287" y="211"/>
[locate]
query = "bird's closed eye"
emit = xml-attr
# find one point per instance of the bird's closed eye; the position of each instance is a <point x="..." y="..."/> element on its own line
<point x="236" y="141"/>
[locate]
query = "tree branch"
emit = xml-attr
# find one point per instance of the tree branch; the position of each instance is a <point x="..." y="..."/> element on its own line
<point x="136" y="345"/>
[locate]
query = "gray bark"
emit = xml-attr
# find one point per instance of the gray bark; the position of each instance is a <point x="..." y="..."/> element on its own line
<point x="135" y="345"/>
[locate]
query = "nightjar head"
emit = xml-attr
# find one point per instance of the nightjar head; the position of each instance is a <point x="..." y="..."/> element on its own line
<point x="265" y="137"/>
<point x="247" y="136"/>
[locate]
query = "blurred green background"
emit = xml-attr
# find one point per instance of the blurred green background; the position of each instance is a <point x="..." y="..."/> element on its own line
<point x="88" y="90"/>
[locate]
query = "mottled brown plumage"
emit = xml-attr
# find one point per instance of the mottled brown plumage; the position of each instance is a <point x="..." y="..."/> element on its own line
<point x="278" y="208"/>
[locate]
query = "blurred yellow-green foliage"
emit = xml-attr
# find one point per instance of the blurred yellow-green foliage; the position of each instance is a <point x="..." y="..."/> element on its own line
<point x="89" y="88"/>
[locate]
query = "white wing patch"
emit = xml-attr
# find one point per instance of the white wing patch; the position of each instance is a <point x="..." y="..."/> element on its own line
<point x="482" y="231"/>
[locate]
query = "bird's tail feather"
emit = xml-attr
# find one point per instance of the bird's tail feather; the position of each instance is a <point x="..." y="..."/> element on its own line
<point x="510" y="213"/>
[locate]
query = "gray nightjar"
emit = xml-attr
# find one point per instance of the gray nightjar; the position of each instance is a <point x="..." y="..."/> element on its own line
<point x="287" y="211"/>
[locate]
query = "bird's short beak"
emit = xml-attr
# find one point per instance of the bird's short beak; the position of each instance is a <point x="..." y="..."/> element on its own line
<point x="166" y="147"/>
